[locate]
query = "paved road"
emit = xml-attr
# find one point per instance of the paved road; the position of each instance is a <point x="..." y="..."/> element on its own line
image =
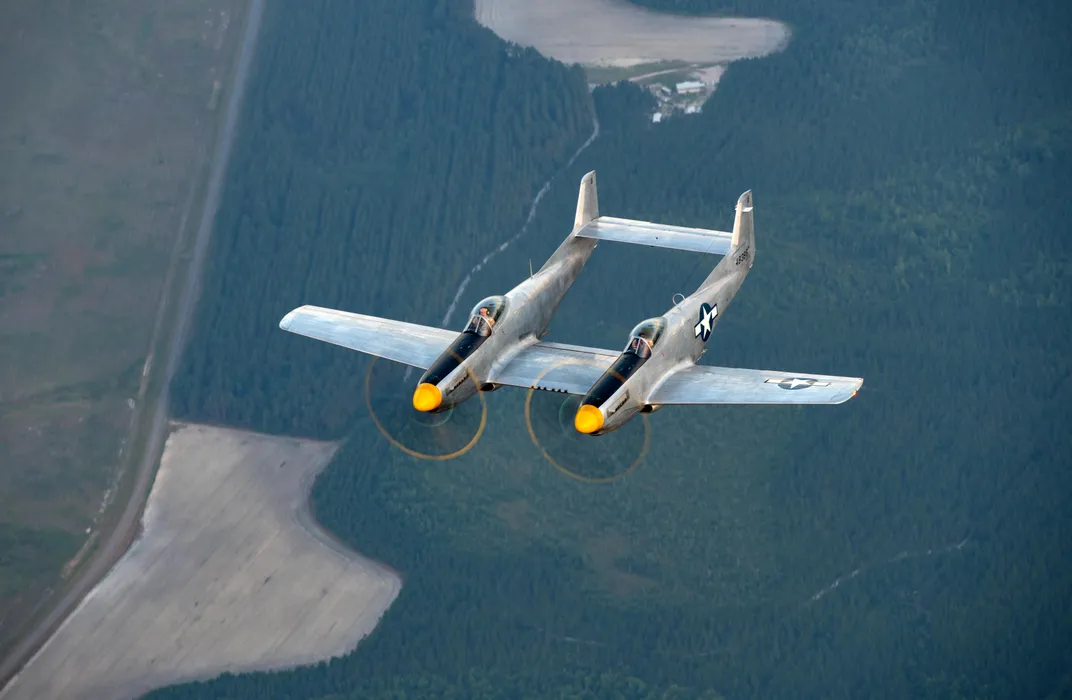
<point x="116" y="544"/>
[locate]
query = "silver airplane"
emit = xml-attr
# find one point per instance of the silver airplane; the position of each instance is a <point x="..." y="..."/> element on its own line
<point x="502" y="344"/>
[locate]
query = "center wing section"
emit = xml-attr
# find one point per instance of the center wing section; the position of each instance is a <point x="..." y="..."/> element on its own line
<point x="570" y="369"/>
<point x="700" y="384"/>
<point x="408" y="343"/>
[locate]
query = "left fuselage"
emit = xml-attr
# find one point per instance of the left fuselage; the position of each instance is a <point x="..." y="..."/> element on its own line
<point x="527" y="310"/>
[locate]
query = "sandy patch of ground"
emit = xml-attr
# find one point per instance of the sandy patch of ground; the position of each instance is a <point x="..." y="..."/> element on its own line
<point x="615" y="40"/>
<point x="230" y="574"/>
<point x="615" y="33"/>
<point x="710" y="75"/>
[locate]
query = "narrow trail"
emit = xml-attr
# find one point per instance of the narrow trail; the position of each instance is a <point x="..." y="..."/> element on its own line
<point x="892" y="560"/>
<point x="792" y="609"/>
<point x="532" y="214"/>
<point x="445" y="323"/>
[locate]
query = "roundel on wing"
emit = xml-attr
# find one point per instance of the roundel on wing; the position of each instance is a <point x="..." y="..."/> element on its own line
<point x="797" y="383"/>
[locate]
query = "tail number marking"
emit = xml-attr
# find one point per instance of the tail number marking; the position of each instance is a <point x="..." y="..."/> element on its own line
<point x="746" y="254"/>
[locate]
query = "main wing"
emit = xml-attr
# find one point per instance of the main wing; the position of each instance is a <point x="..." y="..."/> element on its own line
<point x="570" y="369"/>
<point x="700" y="384"/>
<point x="408" y="343"/>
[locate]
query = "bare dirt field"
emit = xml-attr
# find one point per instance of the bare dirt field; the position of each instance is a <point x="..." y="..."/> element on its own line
<point x="109" y="113"/>
<point x="616" y="33"/>
<point x="230" y="574"/>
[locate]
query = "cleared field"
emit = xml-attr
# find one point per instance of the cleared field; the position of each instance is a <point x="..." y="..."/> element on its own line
<point x="615" y="33"/>
<point x="230" y="574"/>
<point x="109" y="112"/>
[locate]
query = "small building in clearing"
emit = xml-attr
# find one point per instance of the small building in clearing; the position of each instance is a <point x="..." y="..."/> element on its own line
<point x="689" y="87"/>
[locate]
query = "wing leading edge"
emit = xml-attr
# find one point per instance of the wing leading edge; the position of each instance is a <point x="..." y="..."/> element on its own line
<point x="566" y="368"/>
<point x="408" y="343"/>
<point x="700" y="384"/>
<point x="570" y="369"/>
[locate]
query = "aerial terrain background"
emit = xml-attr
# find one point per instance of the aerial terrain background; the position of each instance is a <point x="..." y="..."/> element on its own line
<point x="908" y="161"/>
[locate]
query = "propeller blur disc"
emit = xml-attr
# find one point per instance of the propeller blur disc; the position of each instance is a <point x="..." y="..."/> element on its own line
<point x="594" y="460"/>
<point x="445" y="435"/>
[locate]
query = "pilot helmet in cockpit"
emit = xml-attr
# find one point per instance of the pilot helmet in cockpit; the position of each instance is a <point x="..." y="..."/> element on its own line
<point x="644" y="337"/>
<point x="641" y="347"/>
<point x="485" y="315"/>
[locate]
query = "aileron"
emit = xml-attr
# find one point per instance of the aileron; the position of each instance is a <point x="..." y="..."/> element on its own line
<point x="698" y="384"/>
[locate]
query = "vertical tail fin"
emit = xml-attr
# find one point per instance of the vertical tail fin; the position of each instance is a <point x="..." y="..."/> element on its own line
<point x="587" y="202"/>
<point x="743" y="235"/>
<point x="587" y="211"/>
<point x="742" y="251"/>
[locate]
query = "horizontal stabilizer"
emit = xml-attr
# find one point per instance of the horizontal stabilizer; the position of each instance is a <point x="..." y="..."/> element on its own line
<point x="695" y="240"/>
<point x="701" y="384"/>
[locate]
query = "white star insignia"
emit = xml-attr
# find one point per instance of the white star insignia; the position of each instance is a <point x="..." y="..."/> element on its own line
<point x="704" y="326"/>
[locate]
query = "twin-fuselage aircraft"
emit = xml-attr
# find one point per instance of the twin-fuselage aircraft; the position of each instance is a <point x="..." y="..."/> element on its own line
<point x="502" y="344"/>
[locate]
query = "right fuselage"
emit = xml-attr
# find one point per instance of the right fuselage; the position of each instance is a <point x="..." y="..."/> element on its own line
<point x="623" y="390"/>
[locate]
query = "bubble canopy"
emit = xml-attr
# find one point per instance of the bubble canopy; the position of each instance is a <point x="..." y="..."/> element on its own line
<point x="641" y="342"/>
<point x="645" y="336"/>
<point x="485" y="315"/>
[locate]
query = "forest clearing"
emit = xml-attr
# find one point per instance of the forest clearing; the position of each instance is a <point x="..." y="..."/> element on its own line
<point x="230" y="574"/>
<point x="607" y="33"/>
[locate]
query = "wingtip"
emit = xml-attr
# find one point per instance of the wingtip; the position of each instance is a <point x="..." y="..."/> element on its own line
<point x="287" y="320"/>
<point x="842" y="398"/>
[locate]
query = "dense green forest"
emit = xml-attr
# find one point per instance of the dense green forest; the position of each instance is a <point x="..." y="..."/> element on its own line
<point x="371" y="134"/>
<point x="908" y="161"/>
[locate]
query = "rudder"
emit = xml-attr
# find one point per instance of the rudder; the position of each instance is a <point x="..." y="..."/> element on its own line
<point x="743" y="246"/>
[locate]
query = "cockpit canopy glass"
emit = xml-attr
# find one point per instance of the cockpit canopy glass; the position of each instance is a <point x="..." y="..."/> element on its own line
<point x="645" y="336"/>
<point x="485" y="315"/>
<point x="641" y="343"/>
